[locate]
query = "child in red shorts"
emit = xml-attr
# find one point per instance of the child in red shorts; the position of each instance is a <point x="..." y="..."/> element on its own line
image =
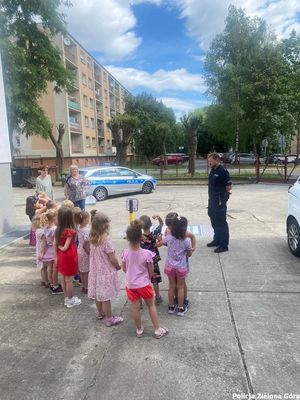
<point x="137" y="263"/>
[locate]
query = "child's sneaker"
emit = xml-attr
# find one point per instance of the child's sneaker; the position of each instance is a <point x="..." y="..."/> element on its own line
<point x="56" y="290"/>
<point x="172" y="309"/>
<point x="181" y="311"/>
<point x="158" y="300"/>
<point x="186" y="303"/>
<point x="160" y="332"/>
<point x="74" y="301"/>
<point x="114" y="320"/>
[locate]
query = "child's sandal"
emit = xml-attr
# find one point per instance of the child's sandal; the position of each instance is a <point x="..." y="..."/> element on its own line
<point x="140" y="332"/>
<point x="100" y="315"/>
<point x="161" y="332"/>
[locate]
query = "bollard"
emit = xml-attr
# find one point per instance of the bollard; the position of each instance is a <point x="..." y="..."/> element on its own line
<point x="131" y="206"/>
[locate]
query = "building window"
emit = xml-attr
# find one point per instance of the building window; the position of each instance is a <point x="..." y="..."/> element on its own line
<point x="93" y="123"/>
<point x="86" y="122"/>
<point x="83" y="78"/>
<point x="92" y="103"/>
<point x="90" y="83"/>
<point x="88" y="62"/>
<point x="87" y="141"/>
<point x="93" y="142"/>
<point x="82" y="57"/>
<point x="85" y="100"/>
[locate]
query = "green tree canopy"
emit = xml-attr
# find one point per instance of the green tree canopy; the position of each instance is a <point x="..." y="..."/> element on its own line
<point x="30" y="61"/>
<point x="153" y="116"/>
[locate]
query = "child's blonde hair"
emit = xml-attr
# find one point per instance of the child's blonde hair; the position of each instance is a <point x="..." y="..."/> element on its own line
<point x="76" y="215"/>
<point x="67" y="203"/>
<point x="100" y="228"/>
<point x="81" y="216"/>
<point x="51" y="215"/>
<point x="43" y="195"/>
<point x="39" y="221"/>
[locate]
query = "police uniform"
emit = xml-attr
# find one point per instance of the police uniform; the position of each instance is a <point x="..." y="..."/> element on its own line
<point x="217" y="205"/>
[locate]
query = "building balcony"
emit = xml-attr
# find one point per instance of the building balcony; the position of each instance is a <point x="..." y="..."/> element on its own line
<point x="77" y="148"/>
<point x="99" y="113"/>
<point x="97" y="77"/>
<point x="75" y="126"/>
<point x="98" y="97"/>
<point x="70" y="57"/>
<point x="73" y="103"/>
<point x="100" y="132"/>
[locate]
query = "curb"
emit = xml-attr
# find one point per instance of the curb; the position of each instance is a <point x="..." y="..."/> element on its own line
<point x="14" y="236"/>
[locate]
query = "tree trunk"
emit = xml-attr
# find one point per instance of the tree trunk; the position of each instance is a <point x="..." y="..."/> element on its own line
<point x="298" y="135"/>
<point x="59" y="149"/>
<point x="193" y="153"/>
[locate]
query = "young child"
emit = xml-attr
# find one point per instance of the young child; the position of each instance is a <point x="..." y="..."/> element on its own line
<point x="67" y="258"/>
<point x="137" y="263"/>
<point x="103" y="283"/>
<point x="179" y="248"/>
<point x="149" y="242"/>
<point x="83" y="249"/>
<point x="169" y="220"/>
<point x="38" y="224"/>
<point x="47" y="252"/>
<point x="67" y="203"/>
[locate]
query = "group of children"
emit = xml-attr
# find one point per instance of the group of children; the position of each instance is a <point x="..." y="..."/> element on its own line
<point x="68" y="238"/>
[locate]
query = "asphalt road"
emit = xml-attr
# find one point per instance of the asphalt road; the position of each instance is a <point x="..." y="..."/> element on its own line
<point x="239" y="338"/>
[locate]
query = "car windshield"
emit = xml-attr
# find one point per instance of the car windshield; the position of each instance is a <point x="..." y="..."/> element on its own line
<point x="82" y="172"/>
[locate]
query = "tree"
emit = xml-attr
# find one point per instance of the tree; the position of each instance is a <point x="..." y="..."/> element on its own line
<point x="291" y="53"/>
<point x="58" y="146"/>
<point x="191" y="123"/>
<point x="150" y="113"/>
<point x="30" y="61"/>
<point x="164" y="131"/>
<point x="244" y="68"/>
<point x="123" y="128"/>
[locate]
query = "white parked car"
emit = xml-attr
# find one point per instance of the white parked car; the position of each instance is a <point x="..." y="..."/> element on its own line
<point x="111" y="180"/>
<point x="293" y="218"/>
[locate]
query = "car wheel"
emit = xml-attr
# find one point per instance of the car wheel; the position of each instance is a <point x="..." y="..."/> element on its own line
<point x="100" y="193"/>
<point x="293" y="236"/>
<point x="147" y="187"/>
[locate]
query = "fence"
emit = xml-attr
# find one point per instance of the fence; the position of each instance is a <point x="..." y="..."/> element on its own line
<point x="258" y="171"/>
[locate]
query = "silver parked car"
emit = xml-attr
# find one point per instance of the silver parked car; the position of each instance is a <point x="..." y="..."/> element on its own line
<point x="108" y="181"/>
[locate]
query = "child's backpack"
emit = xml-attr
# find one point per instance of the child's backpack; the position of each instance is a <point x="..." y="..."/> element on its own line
<point x="30" y="203"/>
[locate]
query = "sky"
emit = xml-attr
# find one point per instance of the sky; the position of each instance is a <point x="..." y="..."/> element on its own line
<point x="159" y="46"/>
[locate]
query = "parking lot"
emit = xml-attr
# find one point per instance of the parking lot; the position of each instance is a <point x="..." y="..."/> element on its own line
<point x="240" y="336"/>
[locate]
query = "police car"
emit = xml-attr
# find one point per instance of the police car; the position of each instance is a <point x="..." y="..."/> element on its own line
<point x="108" y="181"/>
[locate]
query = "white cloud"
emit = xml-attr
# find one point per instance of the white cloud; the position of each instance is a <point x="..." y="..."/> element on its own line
<point x="181" y="106"/>
<point x="161" y="80"/>
<point x="205" y="18"/>
<point x="106" y="26"/>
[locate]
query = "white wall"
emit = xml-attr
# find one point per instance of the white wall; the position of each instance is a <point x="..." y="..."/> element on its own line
<point x="7" y="211"/>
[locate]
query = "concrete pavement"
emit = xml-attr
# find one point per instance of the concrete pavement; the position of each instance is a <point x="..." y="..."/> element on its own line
<point x="240" y="336"/>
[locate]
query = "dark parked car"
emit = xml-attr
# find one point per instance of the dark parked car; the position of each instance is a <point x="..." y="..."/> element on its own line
<point x="175" y="159"/>
<point x="245" y="158"/>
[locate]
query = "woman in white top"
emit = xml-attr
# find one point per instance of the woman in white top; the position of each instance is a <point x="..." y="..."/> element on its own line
<point x="43" y="183"/>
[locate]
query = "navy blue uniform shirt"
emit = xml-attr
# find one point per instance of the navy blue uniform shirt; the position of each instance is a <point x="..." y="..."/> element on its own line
<point x="218" y="179"/>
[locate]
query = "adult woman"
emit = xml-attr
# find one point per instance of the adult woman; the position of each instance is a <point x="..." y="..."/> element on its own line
<point x="74" y="187"/>
<point x="43" y="183"/>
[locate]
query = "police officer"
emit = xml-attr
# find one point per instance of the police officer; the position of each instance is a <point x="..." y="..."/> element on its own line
<point x="219" y="186"/>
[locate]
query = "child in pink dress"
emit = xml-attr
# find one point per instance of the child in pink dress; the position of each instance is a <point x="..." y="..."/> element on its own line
<point x="47" y="253"/>
<point x="103" y="283"/>
<point x="137" y="263"/>
<point x="83" y="249"/>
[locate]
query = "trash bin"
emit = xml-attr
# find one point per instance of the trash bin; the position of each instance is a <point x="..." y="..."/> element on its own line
<point x="18" y="175"/>
<point x="63" y="177"/>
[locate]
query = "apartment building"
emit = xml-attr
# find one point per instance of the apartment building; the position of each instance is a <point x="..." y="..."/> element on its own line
<point x="95" y="97"/>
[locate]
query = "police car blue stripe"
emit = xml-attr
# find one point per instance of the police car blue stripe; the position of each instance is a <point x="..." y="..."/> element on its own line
<point x="119" y="181"/>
